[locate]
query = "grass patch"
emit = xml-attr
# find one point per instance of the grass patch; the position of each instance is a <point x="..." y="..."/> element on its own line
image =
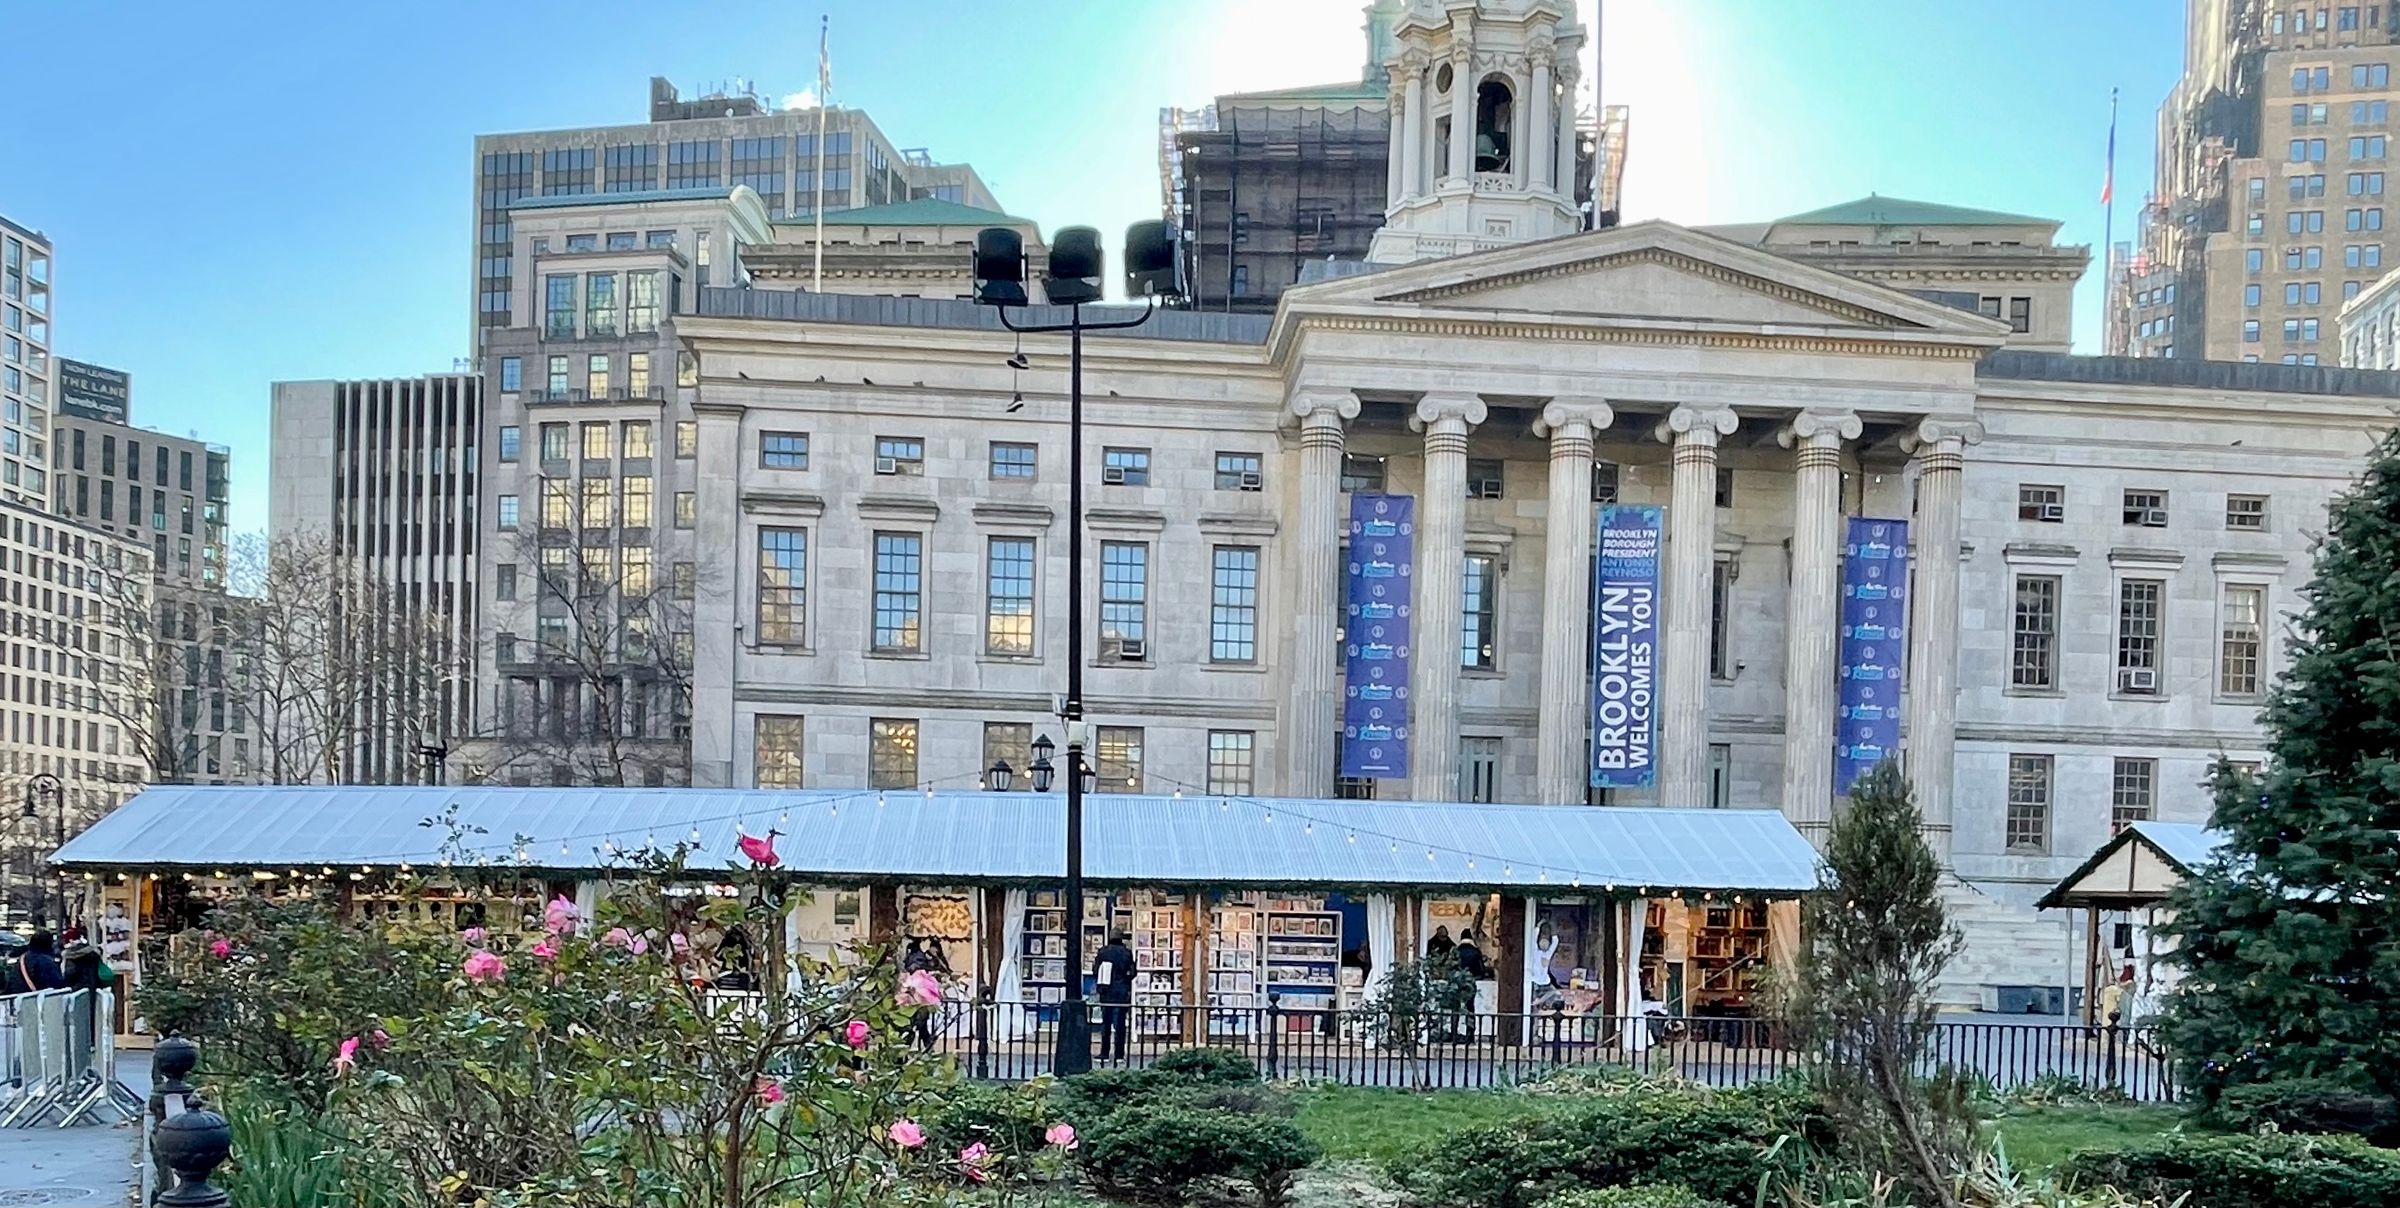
<point x="1364" y="1124"/>
<point x="2039" y="1138"/>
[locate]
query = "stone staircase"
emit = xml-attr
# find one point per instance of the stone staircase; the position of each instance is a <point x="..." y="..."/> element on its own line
<point x="2005" y="945"/>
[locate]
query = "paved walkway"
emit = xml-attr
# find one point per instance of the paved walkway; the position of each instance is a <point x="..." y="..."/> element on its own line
<point x="88" y="1165"/>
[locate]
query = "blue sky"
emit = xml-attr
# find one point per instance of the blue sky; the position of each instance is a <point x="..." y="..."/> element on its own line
<point x="273" y="190"/>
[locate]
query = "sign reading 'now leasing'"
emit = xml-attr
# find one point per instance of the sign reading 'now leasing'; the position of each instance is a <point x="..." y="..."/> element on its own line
<point x="1625" y="647"/>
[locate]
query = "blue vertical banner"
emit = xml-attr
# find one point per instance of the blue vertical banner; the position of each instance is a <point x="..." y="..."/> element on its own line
<point x="1625" y="646"/>
<point x="1866" y="727"/>
<point x="1381" y="595"/>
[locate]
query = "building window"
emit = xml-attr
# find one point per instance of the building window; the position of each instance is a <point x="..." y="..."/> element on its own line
<point x="600" y="304"/>
<point x="1486" y="478"/>
<point x="902" y="455"/>
<point x="594" y="511"/>
<point x="506" y="511"/>
<point x="1008" y="596"/>
<point x="1124" y="600"/>
<point x="555" y="442"/>
<point x="1720" y="630"/>
<point x="899" y="587"/>
<point x="1353" y="788"/>
<point x="1231" y="763"/>
<point x="2138" y="602"/>
<point x="637" y="375"/>
<point x="2251" y="294"/>
<point x="2028" y="825"/>
<point x="783" y="586"/>
<point x="1125" y="467"/>
<point x="1117" y="759"/>
<point x="512" y="373"/>
<point x="1479" y="613"/>
<point x="783" y="450"/>
<point x="637" y="502"/>
<point x="892" y="753"/>
<point x="2249" y="331"/>
<point x="510" y="437"/>
<point x="2043" y="503"/>
<point x="2241" y="639"/>
<point x="776" y="751"/>
<point x="1011" y="459"/>
<point x="687" y="438"/>
<point x="2147" y="509"/>
<point x="555" y="384"/>
<point x="2246" y="512"/>
<point x="1606" y="480"/>
<point x="2131" y="792"/>
<point x="596" y="440"/>
<point x="2254" y="260"/>
<point x="504" y="581"/>
<point x="1361" y="472"/>
<point x="2033" y="643"/>
<point x="1009" y="742"/>
<point x="2020" y="314"/>
<point x="558" y="310"/>
<point x="595" y="378"/>
<point x="1724" y="487"/>
<point x="687" y="509"/>
<point x="641" y="303"/>
<point x="1239" y="472"/>
<point x="1233" y="605"/>
<point x="1479" y="769"/>
<point x="637" y="440"/>
<point x="686" y="580"/>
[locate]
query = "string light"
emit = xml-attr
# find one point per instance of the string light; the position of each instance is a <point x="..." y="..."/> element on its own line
<point x="878" y="801"/>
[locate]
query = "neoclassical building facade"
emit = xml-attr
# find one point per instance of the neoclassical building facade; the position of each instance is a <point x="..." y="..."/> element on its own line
<point x="871" y="524"/>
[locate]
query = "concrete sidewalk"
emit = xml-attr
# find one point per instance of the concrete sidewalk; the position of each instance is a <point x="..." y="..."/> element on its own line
<point x="88" y="1165"/>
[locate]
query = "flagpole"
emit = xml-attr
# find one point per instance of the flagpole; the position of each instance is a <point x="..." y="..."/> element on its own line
<point x="824" y="85"/>
<point x="2108" y="224"/>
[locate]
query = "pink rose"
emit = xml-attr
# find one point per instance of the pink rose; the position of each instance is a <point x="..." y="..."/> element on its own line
<point x="382" y="1039"/>
<point x="770" y="1092"/>
<point x="545" y="951"/>
<point x="677" y="941"/>
<point x="345" y="1059"/>
<point x="1062" y="1135"/>
<point x="906" y="1134"/>
<point x="973" y="1159"/>
<point x="919" y="989"/>
<point x="220" y="949"/>
<point x="560" y="916"/>
<point x="856" y="1034"/>
<point x="617" y="937"/>
<point x="483" y="966"/>
<point x="472" y="935"/>
<point x="640" y="945"/>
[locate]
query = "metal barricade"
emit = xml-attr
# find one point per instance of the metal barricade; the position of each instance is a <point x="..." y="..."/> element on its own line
<point x="65" y="1064"/>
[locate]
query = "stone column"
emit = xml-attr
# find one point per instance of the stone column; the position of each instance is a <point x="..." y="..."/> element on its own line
<point x="1565" y="168"/>
<point x="1309" y="720"/>
<point x="719" y="617"/>
<point x="1809" y="625"/>
<point x="1560" y="771"/>
<point x="1396" y="142"/>
<point x="1939" y="446"/>
<point x="1441" y="556"/>
<point x="1691" y="557"/>
<point x="1417" y="125"/>
<point x="1534" y="150"/>
<point x="1462" y="117"/>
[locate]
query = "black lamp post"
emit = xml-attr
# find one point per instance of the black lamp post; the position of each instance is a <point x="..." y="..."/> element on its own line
<point x="1041" y="770"/>
<point x="998" y="777"/>
<point x="1153" y="270"/>
<point x="47" y="785"/>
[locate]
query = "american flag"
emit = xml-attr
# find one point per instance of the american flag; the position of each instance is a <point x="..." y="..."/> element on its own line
<point x="2108" y="183"/>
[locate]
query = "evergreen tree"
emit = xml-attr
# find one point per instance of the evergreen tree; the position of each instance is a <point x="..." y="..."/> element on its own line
<point x="1861" y="999"/>
<point x="2290" y="942"/>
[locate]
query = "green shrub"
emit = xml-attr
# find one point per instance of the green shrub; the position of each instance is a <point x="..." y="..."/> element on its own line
<point x="2309" y="1105"/>
<point x="1085" y="1098"/>
<point x="1645" y="1195"/>
<point x="1716" y="1143"/>
<point x="1010" y="1120"/>
<point x="1206" y="1065"/>
<point x="2273" y="1171"/>
<point x="1161" y="1155"/>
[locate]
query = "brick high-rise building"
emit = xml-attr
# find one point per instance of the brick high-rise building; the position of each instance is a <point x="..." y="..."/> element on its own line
<point x="2269" y="208"/>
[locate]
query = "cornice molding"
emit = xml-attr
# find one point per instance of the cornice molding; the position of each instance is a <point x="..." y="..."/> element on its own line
<point x="1861" y="345"/>
<point x="1675" y="260"/>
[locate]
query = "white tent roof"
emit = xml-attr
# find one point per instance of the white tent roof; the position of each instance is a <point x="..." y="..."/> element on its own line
<point x="962" y="837"/>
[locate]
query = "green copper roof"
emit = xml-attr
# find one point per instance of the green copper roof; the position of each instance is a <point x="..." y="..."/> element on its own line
<point x="1343" y="90"/>
<point x="924" y="211"/>
<point x="1875" y="210"/>
<point x="567" y="200"/>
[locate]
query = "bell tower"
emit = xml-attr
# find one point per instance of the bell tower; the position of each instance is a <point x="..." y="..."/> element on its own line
<point x="1483" y="127"/>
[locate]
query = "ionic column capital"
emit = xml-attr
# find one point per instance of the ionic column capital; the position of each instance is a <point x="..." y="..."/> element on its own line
<point x="1563" y="417"/>
<point x="1340" y="405"/>
<point x="1940" y="435"/>
<point x="1458" y="412"/>
<point x="1818" y="427"/>
<point x="1697" y="425"/>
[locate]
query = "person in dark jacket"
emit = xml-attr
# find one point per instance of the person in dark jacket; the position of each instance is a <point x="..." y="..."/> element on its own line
<point x="1470" y="957"/>
<point x="1112" y="975"/>
<point x="38" y="968"/>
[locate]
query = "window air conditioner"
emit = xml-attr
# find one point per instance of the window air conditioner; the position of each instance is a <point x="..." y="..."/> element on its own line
<point x="2154" y="517"/>
<point x="1113" y="475"/>
<point x="1251" y="481"/>
<point x="2053" y="513"/>
<point x="887" y="465"/>
<point x="1131" y="650"/>
<point x="2137" y="679"/>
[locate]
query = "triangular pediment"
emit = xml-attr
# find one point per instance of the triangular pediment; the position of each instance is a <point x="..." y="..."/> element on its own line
<point x="1651" y="271"/>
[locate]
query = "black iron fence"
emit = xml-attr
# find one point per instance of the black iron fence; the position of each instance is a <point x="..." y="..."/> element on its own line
<point x="1011" y="1041"/>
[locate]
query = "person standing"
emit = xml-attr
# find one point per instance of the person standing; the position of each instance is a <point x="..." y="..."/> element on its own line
<point x="918" y="960"/>
<point x="38" y="968"/>
<point x="1113" y="971"/>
